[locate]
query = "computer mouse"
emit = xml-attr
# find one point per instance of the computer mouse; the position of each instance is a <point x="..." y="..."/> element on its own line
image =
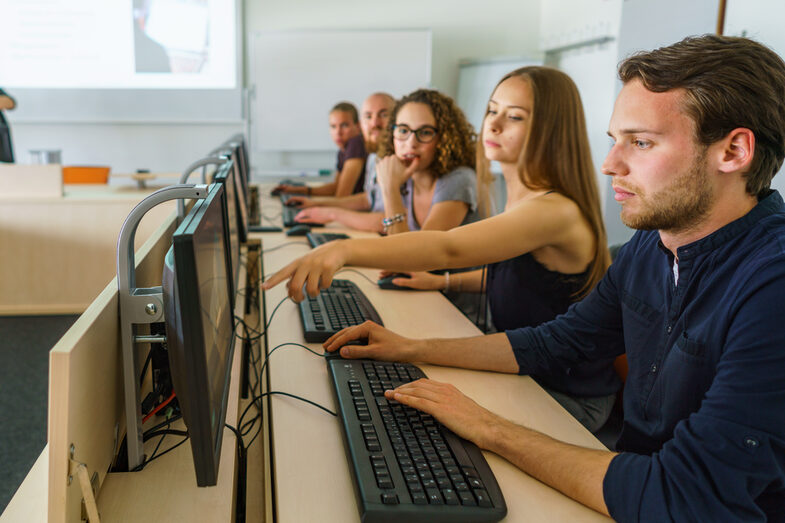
<point x="386" y="282"/>
<point x="300" y="229"/>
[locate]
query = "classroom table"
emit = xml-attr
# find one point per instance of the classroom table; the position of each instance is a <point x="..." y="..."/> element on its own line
<point x="310" y="474"/>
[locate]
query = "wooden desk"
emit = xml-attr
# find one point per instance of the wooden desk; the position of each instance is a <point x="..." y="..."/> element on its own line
<point x="312" y="480"/>
<point x="59" y="253"/>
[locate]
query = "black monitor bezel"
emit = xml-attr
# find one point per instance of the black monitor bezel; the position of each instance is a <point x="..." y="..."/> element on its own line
<point x="227" y="173"/>
<point x="187" y="353"/>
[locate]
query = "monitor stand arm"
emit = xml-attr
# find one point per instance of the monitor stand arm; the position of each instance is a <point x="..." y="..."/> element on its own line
<point x="140" y="306"/>
<point x="203" y="163"/>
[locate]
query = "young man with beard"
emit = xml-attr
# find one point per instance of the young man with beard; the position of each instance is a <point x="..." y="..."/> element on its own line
<point x="353" y="211"/>
<point x="695" y="300"/>
<point x="349" y="179"/>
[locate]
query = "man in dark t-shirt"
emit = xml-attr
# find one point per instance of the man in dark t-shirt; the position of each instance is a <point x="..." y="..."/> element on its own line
<point x="350" y="175"/>
<point x="6" y="150"/>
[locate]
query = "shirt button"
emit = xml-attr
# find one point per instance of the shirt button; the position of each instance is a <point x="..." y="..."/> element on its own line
<point x="653" y="368"/>
<point x="751" y="442"/>
<point x="669" y="329"/>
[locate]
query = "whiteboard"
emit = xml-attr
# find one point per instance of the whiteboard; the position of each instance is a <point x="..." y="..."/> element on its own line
<point x="476" y="81"/>
<point x="296" y="77"/>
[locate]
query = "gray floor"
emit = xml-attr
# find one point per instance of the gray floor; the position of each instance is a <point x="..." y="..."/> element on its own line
<point x="24" y="376"/>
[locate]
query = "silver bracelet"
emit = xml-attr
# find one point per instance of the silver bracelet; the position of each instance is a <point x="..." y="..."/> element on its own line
<point x="446" y="281"/>
<point x="392" y="220"/>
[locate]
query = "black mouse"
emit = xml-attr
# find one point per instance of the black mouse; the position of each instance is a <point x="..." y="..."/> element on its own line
<point x="386" y="282"/>
<point x="300" y="229"/>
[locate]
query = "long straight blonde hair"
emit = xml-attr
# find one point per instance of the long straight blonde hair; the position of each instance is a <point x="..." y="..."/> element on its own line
<point x="556" y="155"/>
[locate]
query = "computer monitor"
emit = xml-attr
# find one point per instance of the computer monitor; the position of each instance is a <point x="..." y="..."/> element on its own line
<point x="199" y="332"/>
<point x="241" y="192"/>
<point x="226" y="176"/>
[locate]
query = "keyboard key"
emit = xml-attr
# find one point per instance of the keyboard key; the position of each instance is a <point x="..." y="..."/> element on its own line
<point x="450" y="497"/>
<point x="467" y="498"/>
<point x="434" y="496"/>
<point x="418" y="498"/>
<point x="482" y="498"/>
<point x="389" y="499"/>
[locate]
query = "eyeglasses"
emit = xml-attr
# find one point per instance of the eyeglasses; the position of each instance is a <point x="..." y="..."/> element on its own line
<point x="424" y="134"/>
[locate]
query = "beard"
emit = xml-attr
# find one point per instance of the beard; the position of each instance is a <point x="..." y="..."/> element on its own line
<point x="679" y="206"/>
<point x="372" y="142"/>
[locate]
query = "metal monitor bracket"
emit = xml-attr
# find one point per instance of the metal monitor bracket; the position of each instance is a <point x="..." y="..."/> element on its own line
<point x="140" y="306"/>
<point x="204" y="162"/>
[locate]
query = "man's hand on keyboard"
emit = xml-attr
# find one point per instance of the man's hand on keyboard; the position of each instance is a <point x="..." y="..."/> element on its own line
<point x="315" y="215"/>
<point x="314" y="270"/>
<point x="300" y="201"/>
<point x="382" y="344"/>
<point x="451" y="407"/>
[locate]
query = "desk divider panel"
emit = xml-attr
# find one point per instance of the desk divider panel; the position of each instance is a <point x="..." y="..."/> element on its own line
<point x="86" y="414"/>
<point x="85" y="387"/>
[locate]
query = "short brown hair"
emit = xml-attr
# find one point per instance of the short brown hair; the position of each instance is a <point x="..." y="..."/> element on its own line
<point x="346" y="107"/>
<point x="729" y="82"/>
<point x="456" y="134"/>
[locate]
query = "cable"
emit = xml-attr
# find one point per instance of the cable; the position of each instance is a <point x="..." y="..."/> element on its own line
<point x="348" y="269"/>
<point x="273" y="217"/>
<point x="151" y="434"/>
<point x="144" y="367"/>
<point x="170" y="449"/>
<point x="245" y="427"/>
<point x="259" y="334"/>
<point x="159" y="407"/>
<point x="242" y="468"/>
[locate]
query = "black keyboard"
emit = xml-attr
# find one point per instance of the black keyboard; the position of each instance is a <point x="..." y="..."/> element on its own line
<point x="289" y="212"/>
<point x="406" y="466"/>
<point x="340" y="305"/>
<point x="318" y="238"/>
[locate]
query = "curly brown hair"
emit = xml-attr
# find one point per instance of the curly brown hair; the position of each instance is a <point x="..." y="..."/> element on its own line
<point x="457" y="138"/>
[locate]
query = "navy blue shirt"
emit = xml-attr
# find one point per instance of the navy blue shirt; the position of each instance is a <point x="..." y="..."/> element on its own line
<point x="704" y="403"/>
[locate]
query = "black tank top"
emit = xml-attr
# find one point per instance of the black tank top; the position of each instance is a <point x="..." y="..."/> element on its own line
<point x="523" y="293"/>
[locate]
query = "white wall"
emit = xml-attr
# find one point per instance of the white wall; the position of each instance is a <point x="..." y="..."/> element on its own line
<point x="161" y="148"/>
<point x="461" y="29"/>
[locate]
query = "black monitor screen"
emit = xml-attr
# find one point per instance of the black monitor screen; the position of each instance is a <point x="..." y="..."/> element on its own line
<point x="199" y="329"/>
<point x="242" y="190"/>
<point x="226" y="176"/>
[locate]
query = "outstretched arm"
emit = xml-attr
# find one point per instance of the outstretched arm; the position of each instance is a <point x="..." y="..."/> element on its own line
<point x="512" y="233"/>
<point x="362" y="221"/>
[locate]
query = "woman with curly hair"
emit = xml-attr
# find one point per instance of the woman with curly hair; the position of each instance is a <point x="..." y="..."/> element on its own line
<point x="546" y="250"/>
<point x="424" y="174"/>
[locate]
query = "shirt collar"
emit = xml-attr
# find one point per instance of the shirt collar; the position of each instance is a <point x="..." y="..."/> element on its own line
<point x="767" y="205"/>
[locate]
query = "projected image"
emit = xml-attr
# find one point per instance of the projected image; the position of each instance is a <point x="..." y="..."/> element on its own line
<point x="171" y="36"/>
